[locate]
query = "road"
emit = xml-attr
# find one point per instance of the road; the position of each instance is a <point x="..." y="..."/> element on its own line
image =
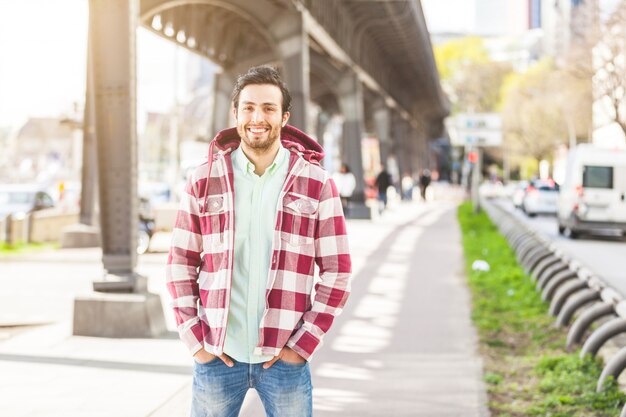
<point x="604" y="255"/>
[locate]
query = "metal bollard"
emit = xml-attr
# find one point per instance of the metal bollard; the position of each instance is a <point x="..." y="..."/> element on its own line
<point x="532" y="253"/>
<point x="527" y="246"/>
<point x="9" y="229"/>
<point x="613" y="368"/>
<point x="575" y="302"/>
<point x="519" y="240"/>
<point x="602" y="335"/>
<point x="563" y="294"/>
<point x="543" y="265"/>
<point x="549" y="273"/>
<point x="535" y="260"/>
<point x="585" y="320"/>
<point x="550" y="288"/>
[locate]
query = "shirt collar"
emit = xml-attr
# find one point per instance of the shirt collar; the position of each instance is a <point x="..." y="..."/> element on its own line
<point x="247" y="167"/>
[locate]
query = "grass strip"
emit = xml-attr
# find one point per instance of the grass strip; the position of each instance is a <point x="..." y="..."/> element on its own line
<point x="527" y="369"/>
<point x="21" y="248"/>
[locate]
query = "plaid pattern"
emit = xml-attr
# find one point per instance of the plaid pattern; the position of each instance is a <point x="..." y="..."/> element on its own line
<point x="310" y="229"/>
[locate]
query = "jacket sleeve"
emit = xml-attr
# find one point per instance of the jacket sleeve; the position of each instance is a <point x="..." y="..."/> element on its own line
<point x="183" y="265"/>
<point x="333" y="259"/>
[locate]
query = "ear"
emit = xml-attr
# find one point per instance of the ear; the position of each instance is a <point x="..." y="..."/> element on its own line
<point x="285" y="118"/>
<point x="235" y="112"/>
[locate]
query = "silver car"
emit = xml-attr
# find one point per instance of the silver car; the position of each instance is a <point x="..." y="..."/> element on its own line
<point x="540" y="197"/>
<point x="20" y="199"/>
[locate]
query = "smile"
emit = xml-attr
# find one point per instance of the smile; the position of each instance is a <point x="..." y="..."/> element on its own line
<point x="257" y="130"/>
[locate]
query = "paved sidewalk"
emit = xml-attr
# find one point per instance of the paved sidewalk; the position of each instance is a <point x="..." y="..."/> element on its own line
<point x="404" y="346"/>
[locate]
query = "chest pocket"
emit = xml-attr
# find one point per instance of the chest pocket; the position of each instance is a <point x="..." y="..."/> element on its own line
<point x="215" y="219"/>
<point x="299" y="219"/>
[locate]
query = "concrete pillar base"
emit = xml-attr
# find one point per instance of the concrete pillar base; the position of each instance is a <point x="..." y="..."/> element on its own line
<point x="121" y="283"/>
<point x="119" y="315"/>
<point x="358" y="210"/>
<point x="80" y="236"/>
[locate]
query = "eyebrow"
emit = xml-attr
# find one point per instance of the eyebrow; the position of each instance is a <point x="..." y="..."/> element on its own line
<point x="262" y="104"/>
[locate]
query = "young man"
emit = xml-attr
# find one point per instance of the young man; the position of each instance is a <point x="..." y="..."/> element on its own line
<point x="253" y="223"/>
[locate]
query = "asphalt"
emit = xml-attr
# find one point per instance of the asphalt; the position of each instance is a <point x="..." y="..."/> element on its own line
<point x="404" y="346"/>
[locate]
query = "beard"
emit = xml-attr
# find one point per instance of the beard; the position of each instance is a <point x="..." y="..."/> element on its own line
<point x="259" y="142"/>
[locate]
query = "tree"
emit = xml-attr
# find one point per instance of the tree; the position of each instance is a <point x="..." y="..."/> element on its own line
<point x="534" y="120"/>
<point x="470" y="79"/>
<point x="598" y="54"/>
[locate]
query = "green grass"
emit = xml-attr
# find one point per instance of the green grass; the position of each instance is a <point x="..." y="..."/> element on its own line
<point x="21" y="248"/>
<point x="527" y="370"/>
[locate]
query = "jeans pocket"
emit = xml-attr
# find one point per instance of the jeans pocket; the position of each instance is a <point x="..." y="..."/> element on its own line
<point x="210" y="362"/>
<point x="292" y="364"/>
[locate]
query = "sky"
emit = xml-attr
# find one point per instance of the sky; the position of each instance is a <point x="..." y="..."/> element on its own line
<point x="43" y="61"/>
<point x="449" y="15"/>
<point x="41" y="55"/>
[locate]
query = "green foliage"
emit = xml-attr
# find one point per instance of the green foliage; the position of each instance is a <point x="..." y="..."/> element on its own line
<point x="453" y="55"/>
<point x="469" y="77"/>
<point x="526" y="368"/>
<point x="493" y="379"/>
<point x="18" y="248"/>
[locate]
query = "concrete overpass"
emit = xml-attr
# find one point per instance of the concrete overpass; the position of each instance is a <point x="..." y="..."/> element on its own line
<point x="369" y="61"/>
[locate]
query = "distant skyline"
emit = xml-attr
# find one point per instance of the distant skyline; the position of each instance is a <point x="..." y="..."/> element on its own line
<point x="476" y="17"/>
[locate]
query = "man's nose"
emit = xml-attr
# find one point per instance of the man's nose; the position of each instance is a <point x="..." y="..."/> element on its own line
<point x="257" y="115"/>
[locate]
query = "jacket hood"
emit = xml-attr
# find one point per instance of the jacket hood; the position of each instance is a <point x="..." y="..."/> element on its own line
<point x="290" y="137"/>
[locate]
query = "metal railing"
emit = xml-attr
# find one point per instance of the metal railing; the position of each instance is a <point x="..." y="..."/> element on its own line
<point x="37" y="227"/>
<point x="574" y="292"/>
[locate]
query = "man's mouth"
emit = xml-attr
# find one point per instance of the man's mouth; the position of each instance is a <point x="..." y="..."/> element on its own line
<point x="257" y="130"/>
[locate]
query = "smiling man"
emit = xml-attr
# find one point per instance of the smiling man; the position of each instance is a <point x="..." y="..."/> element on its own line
<point x="253" y="223"/>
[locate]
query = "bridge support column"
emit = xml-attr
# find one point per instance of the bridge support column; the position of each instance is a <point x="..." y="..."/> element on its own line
<point x="350" y="93"/>
<point x="382" y="123"/>
<point x="293" y="44"/>
<point x="406" y="159"/>
<point x="223" y="90"/>
<point x="398" y="131"/>
<point x="322" y="120"/>
<point x="114" y="75"/>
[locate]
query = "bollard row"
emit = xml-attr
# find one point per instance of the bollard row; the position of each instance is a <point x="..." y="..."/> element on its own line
<point x="574" y="292"/>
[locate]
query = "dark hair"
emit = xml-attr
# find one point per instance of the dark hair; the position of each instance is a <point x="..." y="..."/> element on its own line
<point x="262" y="74"/>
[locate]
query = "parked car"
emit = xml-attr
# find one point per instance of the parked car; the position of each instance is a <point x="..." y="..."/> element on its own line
<point x="593" y="198"/>
<point x="517" y="195"/>
<point x="21" y="199"/>
<point x="540" y="197"/>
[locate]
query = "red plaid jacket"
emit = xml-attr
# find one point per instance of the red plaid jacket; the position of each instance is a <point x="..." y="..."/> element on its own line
<point x="310" y="229"/>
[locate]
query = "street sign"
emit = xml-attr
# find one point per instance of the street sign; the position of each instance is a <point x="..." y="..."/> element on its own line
<point x="475" y="129"/>
<point x="481" y="137"/>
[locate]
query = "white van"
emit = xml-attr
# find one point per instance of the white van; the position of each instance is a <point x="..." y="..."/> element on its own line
<point x="592" y="197"/>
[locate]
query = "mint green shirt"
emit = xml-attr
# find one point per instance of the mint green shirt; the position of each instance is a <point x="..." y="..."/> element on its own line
<point x="256" y="201"/>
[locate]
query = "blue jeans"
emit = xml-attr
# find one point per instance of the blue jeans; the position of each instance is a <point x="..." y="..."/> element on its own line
<point x="218" y="391"/>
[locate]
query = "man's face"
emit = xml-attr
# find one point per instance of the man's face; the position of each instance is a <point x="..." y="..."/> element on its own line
<point x="259" y="116"/>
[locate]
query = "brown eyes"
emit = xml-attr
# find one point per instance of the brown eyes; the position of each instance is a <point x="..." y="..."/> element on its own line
<point x="266" y="109"/>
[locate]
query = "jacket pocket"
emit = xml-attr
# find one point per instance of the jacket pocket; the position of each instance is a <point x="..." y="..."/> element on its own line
<point x="299" y="219"/>
<point x="215" y="220"/>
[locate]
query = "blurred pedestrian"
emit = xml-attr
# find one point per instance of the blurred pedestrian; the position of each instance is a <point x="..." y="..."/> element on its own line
<point x="424" y="182"/>
<point x="346" y="183"/>
<point x="407" y="187"/>
<point x="253" y="222"/>
<point x="383" y="182"/>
